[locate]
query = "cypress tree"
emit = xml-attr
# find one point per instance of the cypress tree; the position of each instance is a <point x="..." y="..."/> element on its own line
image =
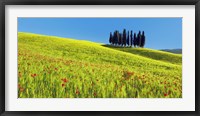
<point x="131" y="36"/>
<point x="110" y="39"/>
<point x="113" y="39"/>
<point x="114" y="36"/>
<point x="117" y="34"/>
<point x="127" y="41"/>
<point x="142" y="39"/>
<point x="139" y="39"/>
<point x="120" y="39"/>
<point x="135" y="40"/>
<point x="124" y="37"/>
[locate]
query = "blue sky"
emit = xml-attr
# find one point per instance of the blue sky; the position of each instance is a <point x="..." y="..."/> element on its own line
<point x="161" y="33"/>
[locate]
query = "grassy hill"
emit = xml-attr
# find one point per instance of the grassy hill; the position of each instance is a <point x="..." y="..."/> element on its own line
<point x="53" y="67"/>
<point x="153" y="54"/>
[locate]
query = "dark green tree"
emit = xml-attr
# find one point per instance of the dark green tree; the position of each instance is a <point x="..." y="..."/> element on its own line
<point x="117" y="34"/>
<point x="127" y="41"/>
<point x="142" y="39"/>
<point x="110" y="38"/>
<point x="139" y="39"/>
<point x="120" y="39"/>
<point x="124" y="37"/>
<point x="131" y="36"/>
<point x="113" y="38"/>
<point x="135" y="40"/>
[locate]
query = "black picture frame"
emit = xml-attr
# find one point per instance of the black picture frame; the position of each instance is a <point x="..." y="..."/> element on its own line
<point x="99" y="2"/>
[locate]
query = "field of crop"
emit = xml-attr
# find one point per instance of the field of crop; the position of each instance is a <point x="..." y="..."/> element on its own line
<point x="53" y="67"/>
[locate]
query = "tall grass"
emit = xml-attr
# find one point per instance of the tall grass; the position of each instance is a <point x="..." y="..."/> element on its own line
<point x="52" y="67"/>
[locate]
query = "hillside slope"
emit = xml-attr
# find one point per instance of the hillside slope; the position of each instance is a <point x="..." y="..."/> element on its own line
<point x="153" y="54"/>
<point x="91" y="70"/>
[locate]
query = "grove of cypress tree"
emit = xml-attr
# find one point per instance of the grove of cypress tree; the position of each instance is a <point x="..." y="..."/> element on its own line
<point x="124" y="37"/>
<point x="127" y="39"/>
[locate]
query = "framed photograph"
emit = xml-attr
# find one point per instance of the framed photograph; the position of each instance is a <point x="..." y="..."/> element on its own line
<point x="96" y="56"/>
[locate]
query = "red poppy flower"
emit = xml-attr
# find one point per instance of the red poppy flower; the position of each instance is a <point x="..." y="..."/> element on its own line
<point x="63" y="85"/>
<point x="165" y="94"/>
<point x="33" y="75"/>
<point x="77" y="92"/>
<point x="130" y="73"/>
<point x="21" y="89"/>
<point x="64" y="80"/>
<point x="19" y="74"/>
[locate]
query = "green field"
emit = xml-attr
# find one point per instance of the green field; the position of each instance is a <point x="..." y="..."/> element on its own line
<point x="53" y="67"/>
